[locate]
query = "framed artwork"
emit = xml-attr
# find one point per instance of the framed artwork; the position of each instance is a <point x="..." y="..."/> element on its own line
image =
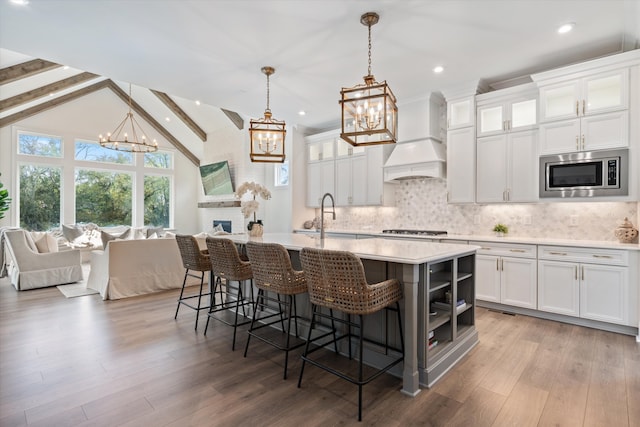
<point x="281" y="174"/>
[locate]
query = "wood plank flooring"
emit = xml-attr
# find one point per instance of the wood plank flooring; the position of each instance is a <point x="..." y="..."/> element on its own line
<point x="87" y="362"/>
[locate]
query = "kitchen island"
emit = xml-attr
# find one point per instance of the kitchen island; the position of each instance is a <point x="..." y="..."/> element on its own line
<point x="429" y="272"/>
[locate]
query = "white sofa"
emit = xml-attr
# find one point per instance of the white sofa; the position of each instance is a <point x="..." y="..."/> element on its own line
<point x="29" y="269"/>
<point x="128" y="268"/>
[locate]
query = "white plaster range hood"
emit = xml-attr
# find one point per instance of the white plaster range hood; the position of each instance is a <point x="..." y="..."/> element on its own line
<point x="424" y="158"/>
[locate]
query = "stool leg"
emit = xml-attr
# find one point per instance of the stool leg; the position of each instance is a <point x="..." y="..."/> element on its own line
<point x="199" y="299"/>
<point x="181" y="292"/>
<point x="306" y="347"/>
<point x="253" y="319"/>
<point x="360" y="370"/>
<point x="235" y="324"/>
<point x="286" y="351"/>
<point x="333" y="326"/>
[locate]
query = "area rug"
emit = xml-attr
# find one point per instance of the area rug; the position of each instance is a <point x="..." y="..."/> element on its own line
<point x="75" y="290"/>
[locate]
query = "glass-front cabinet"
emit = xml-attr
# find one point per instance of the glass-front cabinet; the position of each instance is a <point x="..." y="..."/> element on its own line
<point x="507" y="110"/>
<point x="460" y="112"/>
<point x="599" y="93"/>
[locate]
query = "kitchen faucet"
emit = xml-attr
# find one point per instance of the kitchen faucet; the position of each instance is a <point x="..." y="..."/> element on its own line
<point x="333" y="211"/>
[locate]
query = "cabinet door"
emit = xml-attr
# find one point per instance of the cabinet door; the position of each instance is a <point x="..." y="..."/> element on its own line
<point x="605" y="92"/>
<point x="605" y="131"/>
<point x="519" y="284"/>
<point x="375" y="176"/>
<point x="491" y="120"/>
<point x="604" y="293"/>
<point x="314" y="184"/>
<point x="522" y="161"/>
<point x="559" y="101"/>
<point x="460" y="113"/>
<point x="560" y="137"/>
<point x="343" y="181"/>
<point x="523" y="114"/>
<point x="488" y="278"/>
<point x="558" y="287"/>
<point x="359" y="180"/>
<point x="492" y="169"/>
<point x="461" y="166"/>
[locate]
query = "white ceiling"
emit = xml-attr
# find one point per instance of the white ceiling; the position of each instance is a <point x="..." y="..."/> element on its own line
<point x="213" y="50"/>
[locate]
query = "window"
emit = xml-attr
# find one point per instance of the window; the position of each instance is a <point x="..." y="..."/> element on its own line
<point x="160" y="160"/>
<point x="40" y="189"/>
<point x="157" y="203"/>
<point x="39" y="145"/>
<point x="103" y="197"/>
<point x="92" y="151"/>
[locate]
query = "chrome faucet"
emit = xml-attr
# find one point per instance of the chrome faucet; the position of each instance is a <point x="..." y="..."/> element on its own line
<point x="333" y="211"/>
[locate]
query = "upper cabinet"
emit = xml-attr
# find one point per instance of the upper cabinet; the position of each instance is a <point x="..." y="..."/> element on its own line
<point x="461" y="112"/>
<point x="507" y="110"/>
<point x="587" y="106"/>
<point x="580" y="97"/>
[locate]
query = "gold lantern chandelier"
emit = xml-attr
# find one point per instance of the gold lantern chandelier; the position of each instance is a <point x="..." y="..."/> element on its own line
<point x="267" y="134"/>
<point x="369" y="110"/>
<point x="128" y="135"/>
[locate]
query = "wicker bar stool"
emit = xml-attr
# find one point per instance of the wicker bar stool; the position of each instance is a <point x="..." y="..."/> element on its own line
<point x="272" y="272"/>
<point x="194" y="259"/>
<point x="227" y="264"/>
<point x="336" y="280"/>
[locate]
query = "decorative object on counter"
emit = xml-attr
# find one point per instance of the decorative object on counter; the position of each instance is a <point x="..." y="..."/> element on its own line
<point x="256" y="229"/>
<point x="626" y="232"/>
<point x="267" y="134"/>
<point x="248" y="207"/>
<point x="500" y="229"/>
<point x="369" y="110"/>
<point x="308" y="225"/>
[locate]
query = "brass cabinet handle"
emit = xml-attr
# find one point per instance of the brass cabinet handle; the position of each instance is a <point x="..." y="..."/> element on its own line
<point x="517" y="250"/>
<point x="584" y="107"/>
<point x="603" y="256"/>
<point x="583" y="272"/>
<point x="558" y="253"/>
<point x="577" y="142"/>
<point x="502" y="264"/>
<point x="576" y="272"/>
<point x="577" y="108"/>
<point x="486" y="249"/>
<point x="583" y="141"/>
<point x="497" y="264"/>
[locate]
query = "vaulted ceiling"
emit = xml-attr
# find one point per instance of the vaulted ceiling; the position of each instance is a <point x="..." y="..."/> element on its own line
<point x="212" y="51"/>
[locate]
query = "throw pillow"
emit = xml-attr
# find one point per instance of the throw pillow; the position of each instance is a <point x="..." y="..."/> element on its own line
<point x="159" y="231"/>
<point x="44" y="241"/>
<point x="71" y="232"/>
<point x="153" y="236"/>
<point x="106" y="237"/>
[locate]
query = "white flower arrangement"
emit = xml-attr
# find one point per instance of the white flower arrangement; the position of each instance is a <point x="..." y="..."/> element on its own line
<point x="248" y="207"/>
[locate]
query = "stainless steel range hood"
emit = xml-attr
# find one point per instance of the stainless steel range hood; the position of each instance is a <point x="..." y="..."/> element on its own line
<point x="424" y="158"/>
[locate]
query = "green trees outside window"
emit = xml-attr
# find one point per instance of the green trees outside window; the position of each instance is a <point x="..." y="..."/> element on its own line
<point x="40" y="197"/>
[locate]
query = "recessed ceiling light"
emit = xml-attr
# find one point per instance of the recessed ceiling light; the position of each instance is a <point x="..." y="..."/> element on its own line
<point x="438" y="69"/>
<point x="167" y="119"/>
<point x="20" y="2"/>
<point x="565" y="28"/>
<point x="302" y="113"/>
<point x="197" y="102"/>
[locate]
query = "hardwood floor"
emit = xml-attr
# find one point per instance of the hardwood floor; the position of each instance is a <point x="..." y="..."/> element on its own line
<point x="83" y="361"/>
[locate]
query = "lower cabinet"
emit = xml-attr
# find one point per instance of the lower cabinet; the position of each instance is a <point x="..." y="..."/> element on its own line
<point x="506" y="274"/>
<point x="595" y="289"/>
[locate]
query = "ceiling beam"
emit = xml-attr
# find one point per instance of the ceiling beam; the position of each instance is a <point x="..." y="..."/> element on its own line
<point x="25" y="69"/>
<point x="43" y="91"/>
<point x="154" y="123"/>
<point x="36" y="109"/>
<point x="28" y="112"/>
<point x="175" y="109"/>
<point x="235" y="118"/>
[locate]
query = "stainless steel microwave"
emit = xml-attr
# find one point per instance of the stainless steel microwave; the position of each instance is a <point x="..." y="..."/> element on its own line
<point x="585" y="174"/>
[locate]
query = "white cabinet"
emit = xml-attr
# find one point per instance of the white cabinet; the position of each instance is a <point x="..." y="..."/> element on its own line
<point x="320" y="167"/>
<point x="461" y="165"/>
<point x="320" y="180"/>
<point x="596" y="132"/>
<point x="590" y="283"/>
<point x="354" y="175"/>
<point x="507" y="168"/>
<point x="507" y="110"/>
<point x="585" y="113"/>
<point x="506" y="273"/>
<point x="585" y="96"/>
<point x="460" y="112"/>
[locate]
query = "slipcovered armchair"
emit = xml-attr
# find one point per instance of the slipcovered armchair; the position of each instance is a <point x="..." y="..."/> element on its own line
<point x="29" y="269"/>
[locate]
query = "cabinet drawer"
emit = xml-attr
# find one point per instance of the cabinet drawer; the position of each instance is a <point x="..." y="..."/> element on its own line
<point x="515" y="250"/>
<point x="587" y="255"/>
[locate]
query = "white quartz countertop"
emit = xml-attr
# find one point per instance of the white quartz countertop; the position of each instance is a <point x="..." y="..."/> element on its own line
<point x="601" y="244"/>
<point x="399" y="251"/>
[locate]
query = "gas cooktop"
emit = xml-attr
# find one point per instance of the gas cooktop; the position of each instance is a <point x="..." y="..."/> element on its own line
<point x="415" y="232"/>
